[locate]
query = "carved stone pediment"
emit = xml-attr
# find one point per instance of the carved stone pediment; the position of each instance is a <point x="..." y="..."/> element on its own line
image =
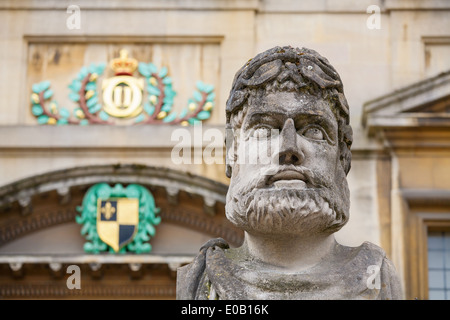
<point x="51" y="198"/>
<point x="37" y="242"/>
<point x="425" y="104"/>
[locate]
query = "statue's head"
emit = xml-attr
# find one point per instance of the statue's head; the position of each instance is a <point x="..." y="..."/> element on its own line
<point x="289" y="154"/>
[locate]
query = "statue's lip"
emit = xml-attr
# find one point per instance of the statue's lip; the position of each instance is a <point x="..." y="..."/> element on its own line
<point x="286" y="175"/>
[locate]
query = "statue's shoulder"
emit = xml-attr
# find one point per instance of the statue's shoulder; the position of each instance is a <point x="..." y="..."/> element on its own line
<point x="361" y="256"/>
<point x="191" y="276"/>
<point x="371" y="250"/>
<point x="391" y="288"/>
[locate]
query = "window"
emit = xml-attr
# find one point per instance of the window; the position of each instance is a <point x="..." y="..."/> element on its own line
<point x="439" y="265"/>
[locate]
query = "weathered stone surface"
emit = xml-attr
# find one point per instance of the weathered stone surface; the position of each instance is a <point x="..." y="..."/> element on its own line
<point x="288" y="191"/>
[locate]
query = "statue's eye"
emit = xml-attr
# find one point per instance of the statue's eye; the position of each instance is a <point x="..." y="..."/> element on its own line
<point x="261" y="133"/>
<point x="314" y="133"/>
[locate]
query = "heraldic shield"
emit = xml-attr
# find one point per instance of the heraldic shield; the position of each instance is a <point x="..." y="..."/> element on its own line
<point x="117" y="221"/>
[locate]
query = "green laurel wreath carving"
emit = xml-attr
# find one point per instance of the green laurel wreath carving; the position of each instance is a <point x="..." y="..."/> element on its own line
<point x="156" y="110"/>
<point x="161" y="95"/>
<point x="147" y="217"/>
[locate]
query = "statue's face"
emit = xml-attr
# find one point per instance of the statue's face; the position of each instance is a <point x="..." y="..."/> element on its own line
<point x="288" y="177"/>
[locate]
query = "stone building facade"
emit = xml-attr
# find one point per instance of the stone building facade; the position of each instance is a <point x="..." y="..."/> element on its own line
<point x="392" y="56"/>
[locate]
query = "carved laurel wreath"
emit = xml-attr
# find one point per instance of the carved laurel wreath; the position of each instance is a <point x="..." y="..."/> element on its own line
<point x="156" y="110"/>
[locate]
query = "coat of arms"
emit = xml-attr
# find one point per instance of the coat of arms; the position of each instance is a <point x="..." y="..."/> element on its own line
<point x="118" y="219"/>
<point x="146" y="99"/>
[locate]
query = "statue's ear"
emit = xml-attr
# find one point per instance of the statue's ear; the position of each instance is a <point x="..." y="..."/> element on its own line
<point x="229" y="160"/>
<point x="345" y="148"/>
<point x="228" y="171"/>
<point x="229" y="153"/>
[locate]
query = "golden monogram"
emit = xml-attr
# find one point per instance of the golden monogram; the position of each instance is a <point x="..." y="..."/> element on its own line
<point x="122" y="94"/>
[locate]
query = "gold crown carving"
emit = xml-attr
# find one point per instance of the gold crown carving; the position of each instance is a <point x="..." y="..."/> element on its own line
<point x="124" y="65"/>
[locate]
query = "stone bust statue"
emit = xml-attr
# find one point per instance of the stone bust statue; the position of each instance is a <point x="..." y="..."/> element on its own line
<point x="291" y="206"/>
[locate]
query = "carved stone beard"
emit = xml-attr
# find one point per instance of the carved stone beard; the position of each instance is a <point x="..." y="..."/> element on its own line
<point x="288" y="211"/>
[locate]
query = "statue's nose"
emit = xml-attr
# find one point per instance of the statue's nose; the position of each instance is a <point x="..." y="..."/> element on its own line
<point x="290" y="152"/>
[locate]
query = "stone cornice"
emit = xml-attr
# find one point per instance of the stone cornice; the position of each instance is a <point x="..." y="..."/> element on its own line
<point x="23" y="291"/>
<point x="272" y="6"/>
<point x="132" y="5"/>
<point x="31" y="137"/>
<point x="96" y="258"/>
<point x="417" y="5"/>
